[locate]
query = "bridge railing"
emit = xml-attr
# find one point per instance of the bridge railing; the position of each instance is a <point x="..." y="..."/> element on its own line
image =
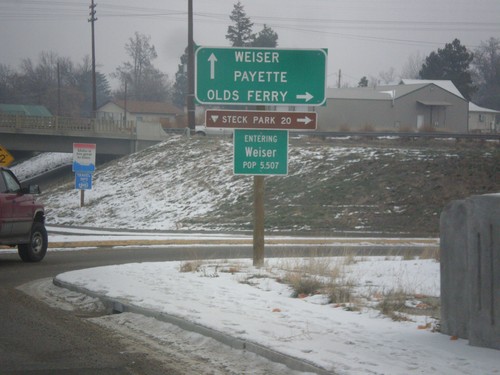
<point x="64" y="125"/>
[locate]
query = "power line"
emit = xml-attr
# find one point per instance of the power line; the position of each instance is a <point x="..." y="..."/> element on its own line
<point x="109" y="10"/>
<point x="53" y="10"/>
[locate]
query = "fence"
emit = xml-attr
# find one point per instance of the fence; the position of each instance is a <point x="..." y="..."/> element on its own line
<point x="64" y="125"/>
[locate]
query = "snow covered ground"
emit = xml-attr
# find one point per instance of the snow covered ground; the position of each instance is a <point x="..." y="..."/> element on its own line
<point x="255" y="305"/>
<point x="233" y="297"/>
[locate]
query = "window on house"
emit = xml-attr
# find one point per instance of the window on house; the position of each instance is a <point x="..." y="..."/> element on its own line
<point x="481" y="117"/>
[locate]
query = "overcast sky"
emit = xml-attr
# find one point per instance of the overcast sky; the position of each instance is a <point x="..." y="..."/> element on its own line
<point x="363" y="37"/>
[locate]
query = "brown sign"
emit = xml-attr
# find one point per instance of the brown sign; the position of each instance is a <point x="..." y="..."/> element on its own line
<point x="260" y="120"/>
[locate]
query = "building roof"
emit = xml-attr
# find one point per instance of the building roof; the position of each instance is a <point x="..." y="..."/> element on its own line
<point x="25" y="110"/>
<point x="475" y="108"/>
<point x="389" y="92"/>
<point x="444" y="84"/>
<point x="157" y="108"/>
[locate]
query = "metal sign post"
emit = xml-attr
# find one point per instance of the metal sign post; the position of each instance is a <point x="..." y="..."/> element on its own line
<point x="260" y="77"/>
<point x="84" y="155"/>
<point x="258" y="218"/>
<point x="260" y="153"/>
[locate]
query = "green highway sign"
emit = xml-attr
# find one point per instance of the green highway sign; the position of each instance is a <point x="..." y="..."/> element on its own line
<point x="260" y="76"/>
<point x="260" y="152"/>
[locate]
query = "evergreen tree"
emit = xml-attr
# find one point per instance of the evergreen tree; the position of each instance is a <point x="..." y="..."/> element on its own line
<point x="450" y="63"/>
<point x="363" y="82"/>
<point x="240" y="34"/>
<point x="266" y="38"/>
<point x="84" y="84"/>
<point x="181" y="82"/>
<point x="7" y="79"/>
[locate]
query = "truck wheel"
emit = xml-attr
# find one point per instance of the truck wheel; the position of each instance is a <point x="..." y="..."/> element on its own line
<point x="35" y="250"/>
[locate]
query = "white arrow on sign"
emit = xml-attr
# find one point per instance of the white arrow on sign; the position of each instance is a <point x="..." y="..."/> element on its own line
<point x="306" y="120"/>
<point x="212" y="60"/>
<point x="214" y="118"/>
<point x="306" y="96"/>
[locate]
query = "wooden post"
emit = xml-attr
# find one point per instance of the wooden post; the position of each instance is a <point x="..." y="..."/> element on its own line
<point x="258" y="227"/>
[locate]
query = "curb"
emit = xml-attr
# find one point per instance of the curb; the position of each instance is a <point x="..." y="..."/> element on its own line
<point x="117" y="306"/>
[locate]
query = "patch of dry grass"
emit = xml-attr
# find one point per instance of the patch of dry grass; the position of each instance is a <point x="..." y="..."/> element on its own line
<point x="320" y="276"/>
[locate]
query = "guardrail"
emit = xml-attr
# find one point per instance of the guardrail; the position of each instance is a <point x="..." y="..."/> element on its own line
<point x="94" y="127"/>
<point x="485" y="136"/>
<point x="65" y="125"/>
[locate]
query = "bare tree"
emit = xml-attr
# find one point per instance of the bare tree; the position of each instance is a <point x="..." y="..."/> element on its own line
<point x="388" y="77"/>
<point x="487" y="73"/>
<point x="145" y="82"/>
<point x="373" y="81"/>
<point x="412" y="67"/>
<point x="54" y="82"/>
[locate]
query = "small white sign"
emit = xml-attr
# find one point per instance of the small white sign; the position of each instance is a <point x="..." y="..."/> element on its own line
<point x="84" y="157"/>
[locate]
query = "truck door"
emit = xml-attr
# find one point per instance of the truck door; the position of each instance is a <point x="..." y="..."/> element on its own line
<point x="5" y="208"/>
<point x="19" y="206"/>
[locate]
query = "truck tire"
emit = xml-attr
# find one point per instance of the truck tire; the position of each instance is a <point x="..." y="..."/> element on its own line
<point x="35" y="250"/>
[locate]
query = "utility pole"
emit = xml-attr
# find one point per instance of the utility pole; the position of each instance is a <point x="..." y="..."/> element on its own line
<point x="340" y="78"/>
<point x="92" y="20"/>
<point x="190" y="95"/>
<point x="58" y="90"/>
<point x="125" y="108"/>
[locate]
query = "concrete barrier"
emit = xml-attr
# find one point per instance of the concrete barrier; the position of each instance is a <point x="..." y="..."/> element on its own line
<point x="470" y="270"/>
<point x="453" y="261"/>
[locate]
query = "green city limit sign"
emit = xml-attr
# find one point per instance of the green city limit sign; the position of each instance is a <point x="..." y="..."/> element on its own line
<point x="260" y="152"/>
<point x="260" y="76"/>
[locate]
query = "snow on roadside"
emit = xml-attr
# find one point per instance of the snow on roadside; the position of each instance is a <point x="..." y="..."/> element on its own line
<point x="41" y="163"/>
<point x="249" y="303"/>
<point x="151" y="189"/>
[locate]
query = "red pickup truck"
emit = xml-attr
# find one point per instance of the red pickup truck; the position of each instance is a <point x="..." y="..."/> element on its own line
<point x="22" y="219"/>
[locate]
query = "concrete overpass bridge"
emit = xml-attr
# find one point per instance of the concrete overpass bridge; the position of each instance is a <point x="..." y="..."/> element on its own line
<point x="57" y="134"/>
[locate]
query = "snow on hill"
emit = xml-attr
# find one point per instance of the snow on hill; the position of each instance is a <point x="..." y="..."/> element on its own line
<point x="333" y="185"/>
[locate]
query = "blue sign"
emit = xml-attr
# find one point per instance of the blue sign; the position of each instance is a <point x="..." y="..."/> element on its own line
<point x="77" y="167"/>
<point x="83" y="181"/>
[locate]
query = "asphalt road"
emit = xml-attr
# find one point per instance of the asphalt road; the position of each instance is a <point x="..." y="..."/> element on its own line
<point x="38" y="339"/>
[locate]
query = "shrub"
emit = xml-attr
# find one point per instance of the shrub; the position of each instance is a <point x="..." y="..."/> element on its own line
<point x="339" y="292"/>
<point x="303" y="284"/>
<point x="393" y="303"/>
<point x="190" y="266"/>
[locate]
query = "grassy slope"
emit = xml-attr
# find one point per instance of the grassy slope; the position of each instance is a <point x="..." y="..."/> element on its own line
<point x="381" y="186"/>
<point x="386" y="186"/>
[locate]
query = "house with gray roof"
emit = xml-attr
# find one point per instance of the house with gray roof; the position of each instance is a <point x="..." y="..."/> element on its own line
<point x="140" y="112"/>
<point x="424" y="106"/>
<point x="483" y="120"/>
